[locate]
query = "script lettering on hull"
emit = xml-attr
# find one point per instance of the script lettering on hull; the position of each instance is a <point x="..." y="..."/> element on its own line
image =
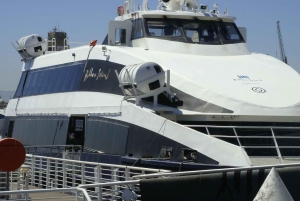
<point x="100" y="74"/>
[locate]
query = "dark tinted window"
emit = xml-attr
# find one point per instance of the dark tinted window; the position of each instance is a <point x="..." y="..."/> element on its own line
<point x="76" y="77"/>
<point x="201" y="32"/>
<point x="198" y="31"/>
<point x="32" y="83"/>
<point x="164" y="28"/>
<point x="63" y="78"/>
<point x="46" y="80"/>
<point x="61" y="74"/>
<point x="27" y="84"/>
<point x="228" y="32"/>
<point x="20" y="86"/>
<point x="137" y="30"/>
<point x="52" y="81"/>
<point x="39" y="82"/>
<point x="68" y="78"/>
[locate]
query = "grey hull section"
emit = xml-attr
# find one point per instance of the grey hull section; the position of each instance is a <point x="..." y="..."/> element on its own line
<point x="113" y="136"/>
<point x="109" y="136"/>
<point x="38" y="130"/>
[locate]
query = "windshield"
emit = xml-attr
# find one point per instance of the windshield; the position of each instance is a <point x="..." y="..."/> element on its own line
<point x="164" y="28"/>
<point x="193" y="31"/>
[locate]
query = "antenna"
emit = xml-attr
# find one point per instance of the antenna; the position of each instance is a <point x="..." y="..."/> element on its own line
<point x="226" y="10"/>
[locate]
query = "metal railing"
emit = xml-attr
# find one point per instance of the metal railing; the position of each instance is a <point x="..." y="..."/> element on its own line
<point x="116" y="190"/>
<point x="72" y="152"/>
<point x="75" y="193"/>
<point x="47" y="172"/>
<point x="262" y="137"/>
<point x="198" y="172"/>
<point x="17" y="180"/>
<point x="64" y="175"/>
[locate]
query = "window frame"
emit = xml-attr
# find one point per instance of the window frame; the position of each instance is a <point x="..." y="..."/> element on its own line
<point x="214" y="24"/>
<point x="142" y="21"/>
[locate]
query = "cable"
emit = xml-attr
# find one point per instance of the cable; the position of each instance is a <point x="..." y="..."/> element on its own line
<point x="156" y="135"/>
<point x="151" y="141"/>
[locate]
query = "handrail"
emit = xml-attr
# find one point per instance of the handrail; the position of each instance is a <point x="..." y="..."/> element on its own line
<point x="214" y="171"/>
<point x="263" y="127"/>
<point x="99" y="164"/>
<point x="109" y="184"/>
<point x="60" y="190"/>
<point x="271" y="135"/>
<point x="53" y="146"/>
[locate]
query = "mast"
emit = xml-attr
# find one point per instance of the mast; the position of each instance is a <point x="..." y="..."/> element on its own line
<point x="282" y="53"/>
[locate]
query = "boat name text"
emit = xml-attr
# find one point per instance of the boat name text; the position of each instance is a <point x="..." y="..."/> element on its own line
<point x="100" y="74"/>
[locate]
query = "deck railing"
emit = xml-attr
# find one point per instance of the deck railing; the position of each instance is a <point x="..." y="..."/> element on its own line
<point x="122" y="190"/>
<point x="258" y="140"/>
<point x="64" y="175"/>
<point x="47" y="172"/>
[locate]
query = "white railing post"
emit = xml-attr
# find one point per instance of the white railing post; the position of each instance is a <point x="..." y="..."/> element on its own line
<point x="64" y="174"/>
<point x="126" y="174"/>
<point x="237" y="137"/>
<point x="56" y="174"/>
<point x="277" y="148"/>
<point x="26" y="186"/>
<point x="73" y="174"/>
<point x="77" y="196"/>
<point x="48" y="173"/>
<point x="82" y="173"/>
<point x="18" y="173"/>
<point x="40" y="172"/>
<point x="127" y="177"/>
<point x="33" y="171"/>
<point x="114" y="178"/>
<point x="97" y="172"/>
<point x="208" y="133"/>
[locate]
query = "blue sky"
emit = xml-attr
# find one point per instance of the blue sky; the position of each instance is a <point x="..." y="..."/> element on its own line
<point x="88" y="20"/>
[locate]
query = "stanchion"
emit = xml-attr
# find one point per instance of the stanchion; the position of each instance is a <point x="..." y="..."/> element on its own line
<point x="7" y="184"/>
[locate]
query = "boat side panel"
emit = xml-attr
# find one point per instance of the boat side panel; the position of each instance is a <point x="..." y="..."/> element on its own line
<point x="117" y="137"/>
<point x="106" y="136"/>
<point x="40" y="130"/>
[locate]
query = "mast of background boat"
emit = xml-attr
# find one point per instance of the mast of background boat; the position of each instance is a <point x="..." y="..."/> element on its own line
<point x="145" y="5"/>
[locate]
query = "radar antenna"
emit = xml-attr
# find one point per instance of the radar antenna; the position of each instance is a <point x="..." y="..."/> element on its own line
<point x="282" y="53"/>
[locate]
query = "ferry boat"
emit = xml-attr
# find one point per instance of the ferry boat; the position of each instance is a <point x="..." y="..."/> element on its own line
<point x="167" y="87"/>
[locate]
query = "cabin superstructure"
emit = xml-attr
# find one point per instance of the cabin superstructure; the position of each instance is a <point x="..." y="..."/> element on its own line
<point x="163" y="85"/>
<point x="185" y="32"/>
